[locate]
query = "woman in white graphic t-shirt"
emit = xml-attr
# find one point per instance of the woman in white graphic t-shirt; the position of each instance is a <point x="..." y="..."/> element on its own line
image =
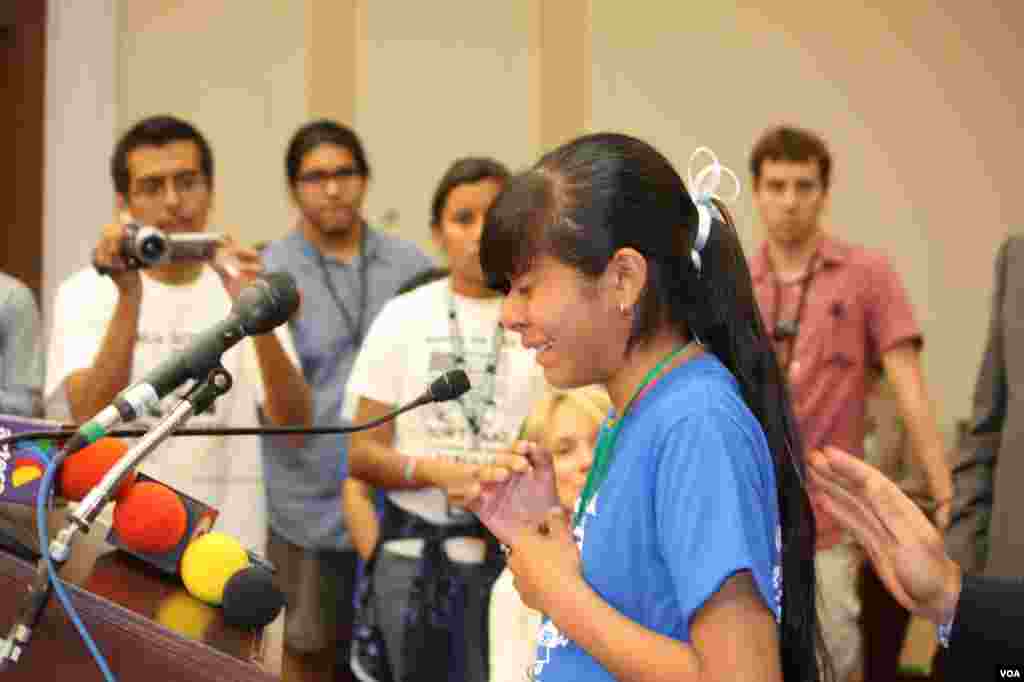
<point x="431" y="565"/>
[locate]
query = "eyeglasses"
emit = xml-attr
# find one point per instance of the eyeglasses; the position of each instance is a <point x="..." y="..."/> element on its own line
<point x="187" y="185"/>
<point x="319" y="178"/>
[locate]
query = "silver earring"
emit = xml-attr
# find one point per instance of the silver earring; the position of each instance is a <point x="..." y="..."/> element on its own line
<point x="624" y="309"/>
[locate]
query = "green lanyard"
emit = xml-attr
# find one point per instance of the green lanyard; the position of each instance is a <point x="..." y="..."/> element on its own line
<point x="605" y="444"/>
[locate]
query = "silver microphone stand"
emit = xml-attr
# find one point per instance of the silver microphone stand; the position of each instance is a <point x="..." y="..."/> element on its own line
<point x="199" y="399"/>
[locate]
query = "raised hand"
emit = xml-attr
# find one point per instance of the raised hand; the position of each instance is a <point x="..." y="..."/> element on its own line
<point x="237" y="266"/>
<point x="904" y="547"/>
<point x="463" y="481"/>
<point x="522" y="499"/>
<point x="108" y="258"/>
<point x="546" y="562"/>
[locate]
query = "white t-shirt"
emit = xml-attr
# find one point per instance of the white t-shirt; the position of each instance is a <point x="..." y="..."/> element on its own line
<point x="512" y="632"/>
<point x="223" y="471"/>
<point x="410" y="344"/>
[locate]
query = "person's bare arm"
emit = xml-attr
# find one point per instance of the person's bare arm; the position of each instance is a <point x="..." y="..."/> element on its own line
<point x="734" y="634"/>
<point x="373" y="458"/>
<point x="371" y="455"/>
<point x="90" y="389"/>
<point x="734" y="638"/>
<point x="360" y="516"/>
<point x="902" y="366"/>
<point x="288" y="400"/>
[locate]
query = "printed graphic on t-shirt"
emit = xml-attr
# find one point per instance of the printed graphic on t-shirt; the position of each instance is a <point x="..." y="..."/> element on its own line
<point x="777" y="573"/>
<point x="550" y="638"/>
<point x="448" y="424"/>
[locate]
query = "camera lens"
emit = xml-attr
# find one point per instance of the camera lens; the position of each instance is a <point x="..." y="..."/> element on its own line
<point x="151" y="248"/>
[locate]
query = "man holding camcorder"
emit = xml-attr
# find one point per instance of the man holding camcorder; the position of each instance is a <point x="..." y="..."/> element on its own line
<point x="117" y="320"/>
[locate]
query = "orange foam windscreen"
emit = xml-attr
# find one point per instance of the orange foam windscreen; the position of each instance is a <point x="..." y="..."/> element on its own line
<point x="83" y="470"/>
<point x="150" y="518"/>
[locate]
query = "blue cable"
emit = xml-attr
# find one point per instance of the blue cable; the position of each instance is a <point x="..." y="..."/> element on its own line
<point x="38" y="450"/>
<point x="42" y="498"/>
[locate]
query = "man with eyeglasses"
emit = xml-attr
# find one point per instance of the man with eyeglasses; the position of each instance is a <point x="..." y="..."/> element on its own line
<point x="838" y="314"/>
<point x="347" y="271"/>
<point x="109" y="331"/>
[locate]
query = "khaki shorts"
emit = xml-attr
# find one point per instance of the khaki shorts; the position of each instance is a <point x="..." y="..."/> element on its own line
<point x="839" y="605"/>
<point x="319" y="587"/>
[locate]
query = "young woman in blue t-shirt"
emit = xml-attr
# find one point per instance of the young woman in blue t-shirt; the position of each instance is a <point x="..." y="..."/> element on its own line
<point x="690" y="554"/>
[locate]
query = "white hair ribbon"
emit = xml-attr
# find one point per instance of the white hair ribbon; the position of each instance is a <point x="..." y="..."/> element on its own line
<point x="703" y="188"/>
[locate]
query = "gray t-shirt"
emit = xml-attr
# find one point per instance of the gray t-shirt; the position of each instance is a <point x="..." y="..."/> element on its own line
<point x="304" y="484"/>
<point x="21" y="349"/>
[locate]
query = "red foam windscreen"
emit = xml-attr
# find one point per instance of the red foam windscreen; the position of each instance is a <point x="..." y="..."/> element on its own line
<point x="83" y="470"/>
<point x="150" y="518"/>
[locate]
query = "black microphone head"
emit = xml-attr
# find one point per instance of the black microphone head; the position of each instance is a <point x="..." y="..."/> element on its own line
<point x="268" y="302"/>
<point x="251" y="599"/>
<point x="448" y="386"/>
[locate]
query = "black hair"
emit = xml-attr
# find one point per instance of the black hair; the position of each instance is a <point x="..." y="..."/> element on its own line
<point x="463" y="172"/>
<point x="421" y="278"/>
<point x="600" y="193"/>
<point x="316" y="133"/>
<point x="156" y="131"/>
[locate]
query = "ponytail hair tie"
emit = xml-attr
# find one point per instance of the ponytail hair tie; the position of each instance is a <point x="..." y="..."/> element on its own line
<point x="703" y="191"/>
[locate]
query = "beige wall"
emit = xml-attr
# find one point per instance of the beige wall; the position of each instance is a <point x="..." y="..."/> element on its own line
<point x="79" y="134"/>
<point x="919" y="102"/>
<point x="439" y="81"/>
<point x="422" y="85"/>
<point x="237" y="70"/>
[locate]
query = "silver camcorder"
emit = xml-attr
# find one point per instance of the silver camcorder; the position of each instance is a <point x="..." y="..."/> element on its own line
<point x="144" y="246"/>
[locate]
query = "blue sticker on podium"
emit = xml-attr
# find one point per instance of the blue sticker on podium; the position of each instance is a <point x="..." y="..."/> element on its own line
<point x="23" y="463"/>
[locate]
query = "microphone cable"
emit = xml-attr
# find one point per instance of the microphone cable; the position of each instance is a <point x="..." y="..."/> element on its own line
<point x="42" y="502"/>
<point x="66" y="431"/>
<point x="447" y="387"/>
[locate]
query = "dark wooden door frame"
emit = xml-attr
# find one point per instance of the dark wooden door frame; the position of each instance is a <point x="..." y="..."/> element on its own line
<point x="22" y="121"/>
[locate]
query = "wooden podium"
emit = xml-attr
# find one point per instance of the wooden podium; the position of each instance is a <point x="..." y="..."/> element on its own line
<point x="145" y="623"/>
